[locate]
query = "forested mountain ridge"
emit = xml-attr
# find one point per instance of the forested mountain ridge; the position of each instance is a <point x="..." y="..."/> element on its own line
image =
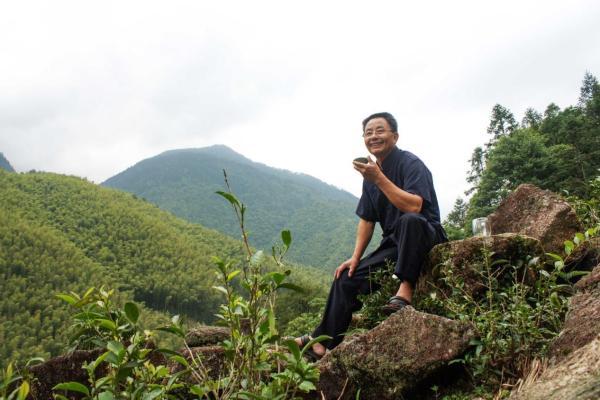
<point x="4" y="164"/>
<point x="558" y="150"/>
<point x="184" y="182"/>
<point x="60" y="233"/>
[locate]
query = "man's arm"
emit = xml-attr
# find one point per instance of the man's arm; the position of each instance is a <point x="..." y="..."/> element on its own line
<point x="364" y="232"/>
<point x="401" y="199"/>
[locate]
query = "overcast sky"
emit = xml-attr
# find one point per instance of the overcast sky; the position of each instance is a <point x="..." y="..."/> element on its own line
<point x="89" y="88"/>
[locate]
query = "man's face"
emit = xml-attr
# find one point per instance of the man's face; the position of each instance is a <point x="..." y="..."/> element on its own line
<point x="379" y="138"/>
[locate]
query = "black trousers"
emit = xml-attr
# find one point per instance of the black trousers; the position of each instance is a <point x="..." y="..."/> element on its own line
<point x="407" y="246"/>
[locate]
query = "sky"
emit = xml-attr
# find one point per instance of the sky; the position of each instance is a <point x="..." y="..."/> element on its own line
<point x="89" y="88"/>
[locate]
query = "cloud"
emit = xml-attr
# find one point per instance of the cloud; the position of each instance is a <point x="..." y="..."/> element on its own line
<point x="91" y="88"/>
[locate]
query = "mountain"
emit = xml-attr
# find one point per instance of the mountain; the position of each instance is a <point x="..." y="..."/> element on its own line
<point x="320" y="216"/>
<point x="4" y="164"/>
<point x="61" y="234"/>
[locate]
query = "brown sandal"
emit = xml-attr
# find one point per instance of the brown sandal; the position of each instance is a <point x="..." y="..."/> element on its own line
<point x="309" y="352"/>
<point x="394" y="304"/>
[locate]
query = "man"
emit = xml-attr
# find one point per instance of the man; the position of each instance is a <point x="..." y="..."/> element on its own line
<point x="398" y="193"/>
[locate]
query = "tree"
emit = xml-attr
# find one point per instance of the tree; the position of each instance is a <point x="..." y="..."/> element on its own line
<point x="456" y="220"/>
<point x="477" y="164"/>
<point x="502" y="123"/>
<point x="532" y="119"/>
<point x="589" y="89"/>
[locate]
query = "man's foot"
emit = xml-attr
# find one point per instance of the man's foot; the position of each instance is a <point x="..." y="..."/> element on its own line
<point x="314" y="353"/>
<point x="395" y="303"/>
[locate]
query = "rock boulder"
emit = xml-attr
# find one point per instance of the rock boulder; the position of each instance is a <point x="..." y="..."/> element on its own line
<point x="575" y="377"/>
<point x="205" y="335"/>
<point x="392" y="358"/>
<point x="465" y="259"/>
<point x="538" y="213"/>
<point x="582" y="323"/>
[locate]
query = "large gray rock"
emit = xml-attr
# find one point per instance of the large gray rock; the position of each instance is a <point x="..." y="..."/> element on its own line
<point x="575" y="377"/>
<point x="538" y="213"/>
<point x="393" y="357"/>
<point x="582" y="323"/>
<point x="466" y="259"/>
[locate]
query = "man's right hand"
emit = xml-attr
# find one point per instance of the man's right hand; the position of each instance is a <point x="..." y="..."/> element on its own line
<point x="350" y="264"/>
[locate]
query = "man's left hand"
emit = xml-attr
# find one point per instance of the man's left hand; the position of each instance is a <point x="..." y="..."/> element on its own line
<point x="370" y="171"/>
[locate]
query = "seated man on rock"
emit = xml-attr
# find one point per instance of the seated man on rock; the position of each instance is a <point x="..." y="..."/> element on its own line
<point x="398" y="193"/>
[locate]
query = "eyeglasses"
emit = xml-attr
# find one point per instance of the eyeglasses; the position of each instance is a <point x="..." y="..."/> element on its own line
<point x="377" y="132"/>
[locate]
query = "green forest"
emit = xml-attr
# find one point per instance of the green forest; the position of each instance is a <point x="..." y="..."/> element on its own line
<point x="320" y="216"/>
<point x="558" y="150"/>
<point x="62" y="234"/>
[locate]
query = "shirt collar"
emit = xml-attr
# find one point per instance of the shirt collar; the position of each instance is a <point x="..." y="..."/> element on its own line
<point x="389" y="160"/>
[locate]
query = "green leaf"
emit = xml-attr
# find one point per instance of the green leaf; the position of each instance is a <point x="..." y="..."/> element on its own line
<point x="198" y="391"/>
<point x="172" y="329"/>
<point x="180" y="360"/>
<point x="307" y="386"/>
<point x="132" y="312"/>
<point x="293" y="348"/>
<point x="286" y="238"/>
<point x="99" y="360"/>
<point x="106" y="396"/>
<point x="233" y="275"/>
<point x="115" y="347"/>
<point x="152" y="395"/>
<point x="68" y="298"/>
<point x="569" y="246"/>
<point x="554" y="256"/>
<point x="230" y="197"/>
<point x="108" y="324"/>
<point x="221" y="289"/>
<point x="23" y="391"/>
<point x="73" y="387"/>
<point x="291" y="286"/>
<point x="555" y="299"/>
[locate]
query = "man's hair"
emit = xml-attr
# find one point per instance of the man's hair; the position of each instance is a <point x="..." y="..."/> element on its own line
<point x="385" y="115"/>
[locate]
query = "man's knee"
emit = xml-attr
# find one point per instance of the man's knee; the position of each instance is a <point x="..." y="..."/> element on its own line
<point x="410" y="220"/>
<point x="346" y="284"/>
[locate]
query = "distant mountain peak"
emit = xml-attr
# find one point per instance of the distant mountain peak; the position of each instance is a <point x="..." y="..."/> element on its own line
<point x="216" y="150"/>
<point x="184" y="182"/>
<point x="4" y="164"/>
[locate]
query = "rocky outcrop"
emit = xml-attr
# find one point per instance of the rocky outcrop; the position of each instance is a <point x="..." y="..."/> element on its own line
<point x="67" y="368"/>
<point x="392" y="358"/>
<point x="208" y="362"/>
<point x="575" y="377"/>
<point x="582" y="323"/>
<point x="206" y="335"/>
<point x="538" y="213"/>
<point x="465" y="259"/>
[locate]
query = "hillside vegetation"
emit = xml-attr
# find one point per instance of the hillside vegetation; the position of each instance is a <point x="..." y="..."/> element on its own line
<point x="558" y="150"/>
<point x="320" y="216"/>
<point x="60" y="234"/>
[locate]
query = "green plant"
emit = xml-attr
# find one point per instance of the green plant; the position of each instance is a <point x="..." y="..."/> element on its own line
<point x="306" y="321"/>
<point x="260" y="365"/>
<point x="10" y="389"/>
<point x="517" y="313"/>
<point x="588" y="209"/>
<point x="383" y="280"/>
<point x="124" y="370"/>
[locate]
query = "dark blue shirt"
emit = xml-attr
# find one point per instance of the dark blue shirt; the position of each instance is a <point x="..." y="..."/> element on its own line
<point x="410" y="174"/>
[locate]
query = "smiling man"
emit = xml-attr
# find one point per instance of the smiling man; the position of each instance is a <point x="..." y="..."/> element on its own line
<point x="398" y="193"/>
